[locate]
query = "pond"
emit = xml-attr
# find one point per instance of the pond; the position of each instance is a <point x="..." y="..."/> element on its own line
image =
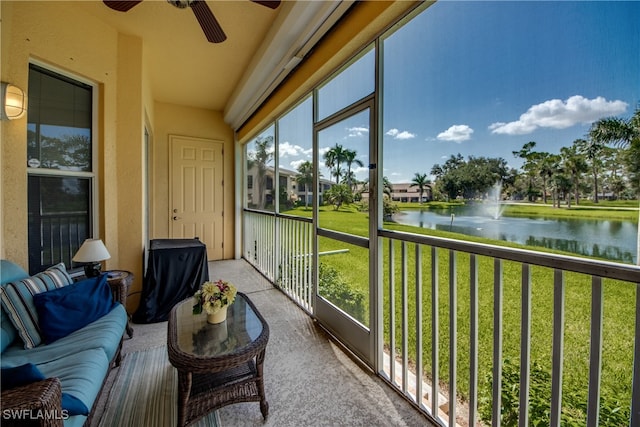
<point x="609" y="239"/>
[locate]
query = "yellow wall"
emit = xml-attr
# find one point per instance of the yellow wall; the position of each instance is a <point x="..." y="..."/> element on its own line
<point x="60" y="36"/>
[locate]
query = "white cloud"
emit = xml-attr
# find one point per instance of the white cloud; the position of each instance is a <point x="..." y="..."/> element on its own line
<point x="361" y="170"/>
<point x="288" y="149"/>
<point x="323" y="150"/>
<point x="456" y="133"/>
<point x="357" y="131"/>
<point x="396" y="134"/>
<point x="295" y="164"/>
<point x="558" y="114"/>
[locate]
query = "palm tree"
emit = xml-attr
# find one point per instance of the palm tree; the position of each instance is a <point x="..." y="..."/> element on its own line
<point x="333" y="159"/>
<point x="386" y="187"/>
<point x="623" y="133"/>
<point x="547" y="166"/>
<point x="617" y="131"/>
<point x="530" y="165"/>
<point x="421" y="181"/>
<point x="591" y="149"/>
<point x="305" y="177"/>
<point x="574" y="163"/>
<point x="350" y="159"/>
<point x="260" y="158"/>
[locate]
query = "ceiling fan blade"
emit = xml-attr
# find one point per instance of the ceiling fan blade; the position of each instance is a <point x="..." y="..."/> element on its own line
<point x="271" y="4"/>
<point x="122" y="5"/>
<point x="208" y="22"/>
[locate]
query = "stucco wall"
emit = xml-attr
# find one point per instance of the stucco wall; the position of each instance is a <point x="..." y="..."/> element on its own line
<point x="57" y="36"/>
<point x="64" y="38"/>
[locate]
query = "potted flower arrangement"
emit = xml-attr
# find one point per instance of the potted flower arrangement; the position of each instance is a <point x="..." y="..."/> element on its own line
<point x="214" y="298"/>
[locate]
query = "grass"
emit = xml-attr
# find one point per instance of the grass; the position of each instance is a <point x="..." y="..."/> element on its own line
<point x="619" y="307"/>
<point x="621" y="210"/>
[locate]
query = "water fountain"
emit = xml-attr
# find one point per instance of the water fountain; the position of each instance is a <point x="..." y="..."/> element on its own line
<point x="492" y="206"/>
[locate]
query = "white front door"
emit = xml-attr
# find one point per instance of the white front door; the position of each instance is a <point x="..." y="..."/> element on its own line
<point x="196" y="199"/>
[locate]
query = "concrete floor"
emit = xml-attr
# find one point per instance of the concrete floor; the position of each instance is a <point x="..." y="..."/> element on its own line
<point x="309" y="380"/>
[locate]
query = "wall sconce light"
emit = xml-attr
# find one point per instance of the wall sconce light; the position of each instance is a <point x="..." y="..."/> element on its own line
<point x="14" y="102"/>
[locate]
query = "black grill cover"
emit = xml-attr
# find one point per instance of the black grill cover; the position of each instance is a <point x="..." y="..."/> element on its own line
<point x="176" y="269"/>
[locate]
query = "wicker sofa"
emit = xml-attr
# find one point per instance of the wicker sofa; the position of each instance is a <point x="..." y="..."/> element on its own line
<point x="56" y="381"/>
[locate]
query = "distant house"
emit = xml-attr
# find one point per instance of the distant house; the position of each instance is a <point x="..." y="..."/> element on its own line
<point x="403" y="192"/>
<point x="287" y="180"/>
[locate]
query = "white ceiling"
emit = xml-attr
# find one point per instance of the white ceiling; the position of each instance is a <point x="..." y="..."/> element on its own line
<point x="232" y="76"/>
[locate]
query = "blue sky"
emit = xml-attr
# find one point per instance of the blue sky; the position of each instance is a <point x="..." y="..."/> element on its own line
<point x="484" y="78"/>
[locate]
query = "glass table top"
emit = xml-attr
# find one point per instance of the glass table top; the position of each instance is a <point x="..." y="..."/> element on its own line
<point x="197" y="337"/>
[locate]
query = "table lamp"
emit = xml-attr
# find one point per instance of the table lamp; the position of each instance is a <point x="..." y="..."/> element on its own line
<point x="90" y="254"/>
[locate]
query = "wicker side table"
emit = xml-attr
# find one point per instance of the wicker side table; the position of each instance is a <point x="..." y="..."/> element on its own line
<point x="120" y="281"/>
<point x="217" y="364"/>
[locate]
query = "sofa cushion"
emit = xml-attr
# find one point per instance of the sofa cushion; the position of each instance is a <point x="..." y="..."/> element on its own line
<point x="81" y="374"/>
<point x="104" y="334"/>
<point x="65" y="310"/>
<point x="29" y="373"/>
<point x="17" y="301"/>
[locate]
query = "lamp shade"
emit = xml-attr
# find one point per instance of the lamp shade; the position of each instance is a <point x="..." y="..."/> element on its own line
<point x="92" y="250"/>
<point x="14" y="101"/>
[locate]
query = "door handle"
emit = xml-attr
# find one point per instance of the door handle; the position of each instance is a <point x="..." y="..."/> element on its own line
<point x="175" y="218"/>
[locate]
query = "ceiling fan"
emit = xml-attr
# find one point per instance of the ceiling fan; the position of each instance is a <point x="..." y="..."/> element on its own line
<point x="210" y="25"/>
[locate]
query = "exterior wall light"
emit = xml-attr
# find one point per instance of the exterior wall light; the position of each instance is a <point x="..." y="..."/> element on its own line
<point x="14" y="102"/>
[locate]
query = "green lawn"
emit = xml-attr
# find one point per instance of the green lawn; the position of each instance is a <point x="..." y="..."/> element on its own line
<point x="619" y="308"/>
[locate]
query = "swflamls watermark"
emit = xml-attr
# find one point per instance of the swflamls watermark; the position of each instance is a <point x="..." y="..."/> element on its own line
<point x="35" y="414"/>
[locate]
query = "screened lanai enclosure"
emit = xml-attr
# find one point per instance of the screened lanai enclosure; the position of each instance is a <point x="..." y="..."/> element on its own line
<point x="456" y="97"/>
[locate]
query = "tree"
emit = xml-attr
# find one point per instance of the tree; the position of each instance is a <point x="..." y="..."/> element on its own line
<point x="574" y="164"/>
<point x="333" y="159"/>
<point x="305" y="177"/>
<point x="338" y="195"/>
<point x="259" y="159"/>
<point x="625" y="133"/>
<point x="421" y="181"/>
<point x="350" y="159"/>
<point x="548" y="166"/>
<point x="530" y="165"/>
<point x="386" y="187"/>
<point x="592" y="148"/>
<point x="617" y="131"/>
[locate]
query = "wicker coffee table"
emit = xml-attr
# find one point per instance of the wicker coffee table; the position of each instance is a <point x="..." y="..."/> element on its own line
<point x="217" y="364"/>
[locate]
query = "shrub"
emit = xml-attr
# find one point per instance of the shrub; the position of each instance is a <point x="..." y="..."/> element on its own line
<point x="574" y="400"/>
<point x="334" y="288"/>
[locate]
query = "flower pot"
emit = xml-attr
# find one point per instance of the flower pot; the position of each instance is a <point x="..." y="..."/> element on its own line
<point x="218" y="317"/>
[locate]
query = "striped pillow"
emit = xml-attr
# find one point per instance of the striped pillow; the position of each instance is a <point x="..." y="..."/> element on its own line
<point x="17" y="301"/>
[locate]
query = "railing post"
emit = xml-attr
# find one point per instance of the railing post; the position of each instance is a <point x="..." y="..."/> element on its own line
<point x="558" y="347"/>
<point x="497" y="343"/>
<point x="435" y="335"/>
<point x="453" y="337"/>
<point x="595" y="353"/>
<point x="635" y="394"/>
<point x="525" y="346"/>
<point x="473" y="340"/>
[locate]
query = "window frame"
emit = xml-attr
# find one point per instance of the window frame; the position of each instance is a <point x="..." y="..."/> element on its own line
<point x="94" y="173"/>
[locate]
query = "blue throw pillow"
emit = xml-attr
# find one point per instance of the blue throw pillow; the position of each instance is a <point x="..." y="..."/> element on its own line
<point x="29" y="373"/>
<point x="20" y="375"/>
<point x="17" y="301"/>
<point x="73" y="405"/>
<point x="65" y="310"/>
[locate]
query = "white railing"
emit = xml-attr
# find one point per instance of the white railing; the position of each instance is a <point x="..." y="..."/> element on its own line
<point x="280" y="247"/>
<point x="418" y="269"/>
<point x="429" y="251"/>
